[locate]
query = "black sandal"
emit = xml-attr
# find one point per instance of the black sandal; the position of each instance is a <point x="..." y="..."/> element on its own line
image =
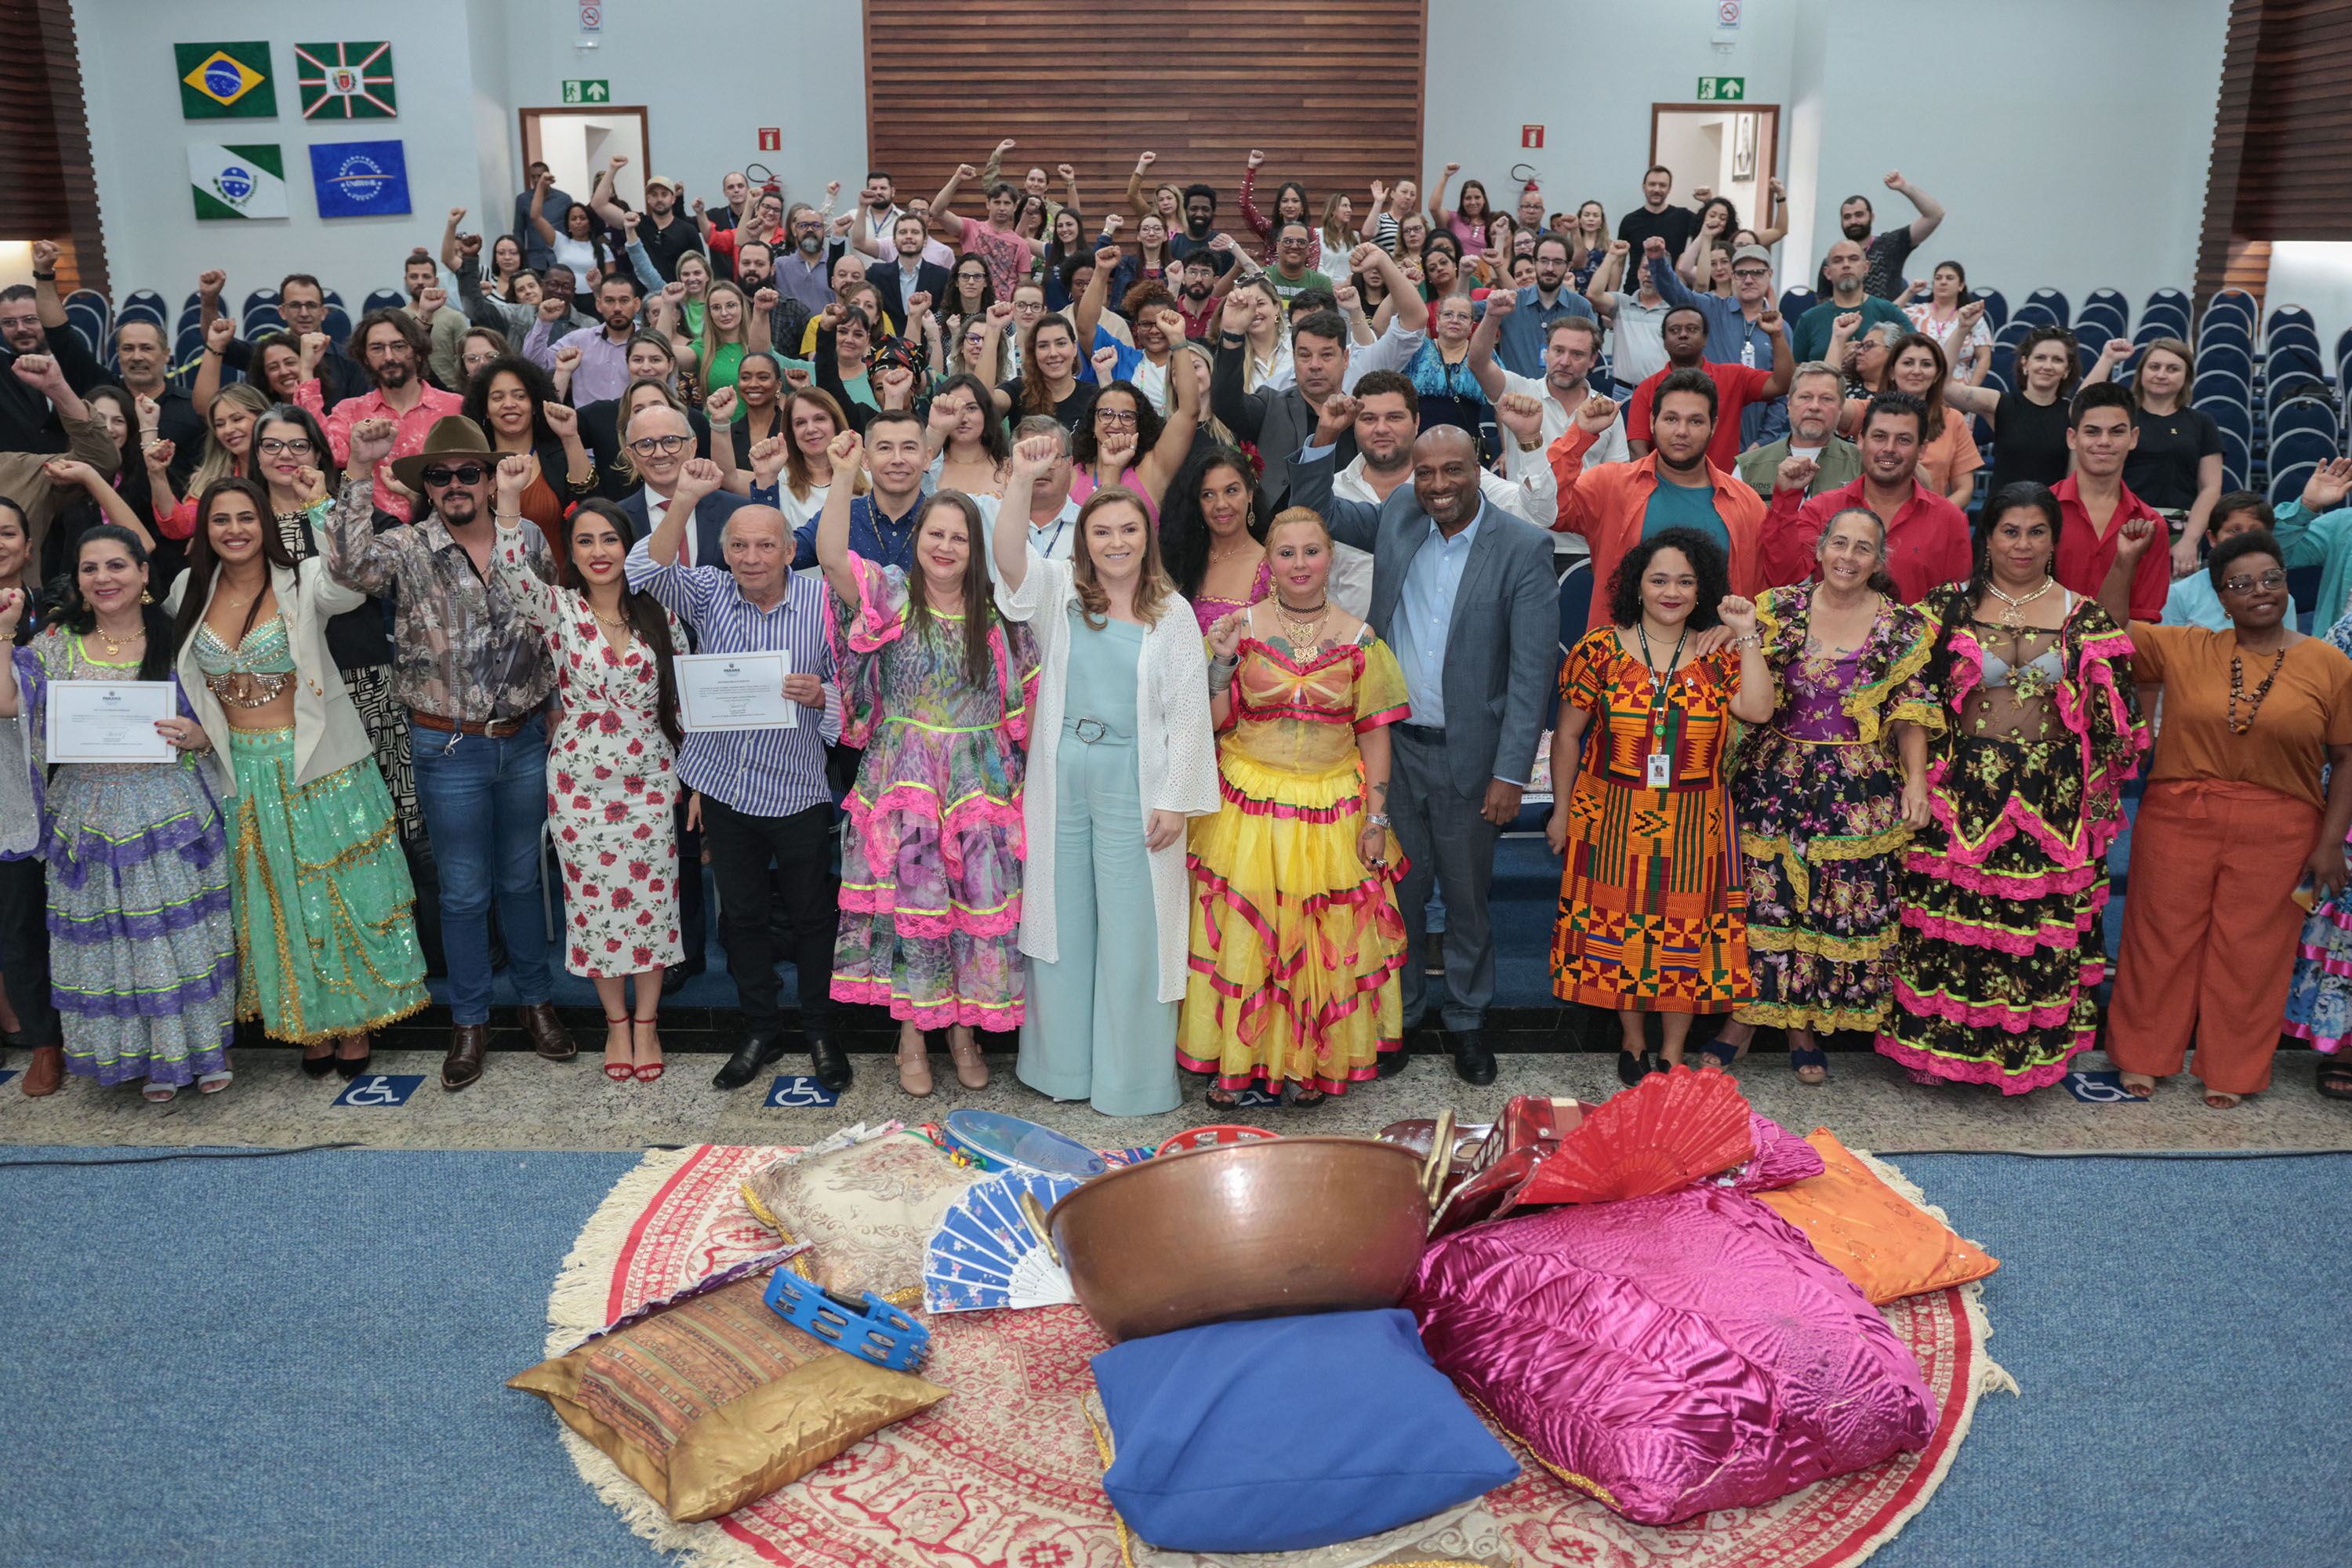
<point x="1305" y="1096"/>
<point x="2342" y="1073"/>
<point x="1630" y="1069"/>
<point x="1817" y="1058"/>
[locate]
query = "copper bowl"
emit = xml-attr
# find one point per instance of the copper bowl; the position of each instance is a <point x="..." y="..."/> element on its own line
<point x="1244" y="1230"/>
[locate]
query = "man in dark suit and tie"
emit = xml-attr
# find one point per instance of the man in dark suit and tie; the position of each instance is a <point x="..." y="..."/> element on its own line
<point x="906" y="274"/>
<point x="1464" y="596"/>
<point x="661" y="447"/>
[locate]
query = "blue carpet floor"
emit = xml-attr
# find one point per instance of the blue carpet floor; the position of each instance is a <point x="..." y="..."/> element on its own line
<point x="298" y="1360"/>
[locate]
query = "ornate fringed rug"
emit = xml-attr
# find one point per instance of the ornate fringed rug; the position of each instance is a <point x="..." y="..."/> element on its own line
<point x="1005" y="1473"/>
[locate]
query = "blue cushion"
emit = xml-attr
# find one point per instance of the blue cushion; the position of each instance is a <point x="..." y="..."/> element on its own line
<point x="1286" y="1434"/>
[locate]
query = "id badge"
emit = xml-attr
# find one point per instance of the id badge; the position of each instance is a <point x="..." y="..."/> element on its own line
<point x="1662" y="770"/>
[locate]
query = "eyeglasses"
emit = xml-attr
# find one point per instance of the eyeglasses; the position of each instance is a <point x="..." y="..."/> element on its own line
<point x="647" y="446"/>
<point x="1115" y="416"/>
<point x="2268" y="580"/>
<point x="271" y="446"/>
<point x="464" y="474"/>
<point x="1749" y="274"/>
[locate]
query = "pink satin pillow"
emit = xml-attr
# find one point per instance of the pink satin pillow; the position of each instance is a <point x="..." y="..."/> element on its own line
<point x="1670" y="1354"/>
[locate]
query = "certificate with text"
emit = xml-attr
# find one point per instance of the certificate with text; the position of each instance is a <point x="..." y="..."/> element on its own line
<point x="109" y="721"/>
<point x="734" y="691"/>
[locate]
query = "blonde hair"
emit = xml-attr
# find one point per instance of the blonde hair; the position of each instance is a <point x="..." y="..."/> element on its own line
<point x="217" y="464"/>
<point x="1151" y="594"/>
<point x="1290" y="516"/>
<point x="1333" y="235"/>
<point x="710" y="336"/>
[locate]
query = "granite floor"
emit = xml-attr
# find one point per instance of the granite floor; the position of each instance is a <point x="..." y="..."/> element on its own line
<point x="523" y="1102"/>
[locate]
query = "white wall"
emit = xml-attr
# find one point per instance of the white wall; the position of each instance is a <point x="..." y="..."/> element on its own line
<point x="462" y="68"/>
<point x="2317" y="275"/>
<point x="2089" y="174"/>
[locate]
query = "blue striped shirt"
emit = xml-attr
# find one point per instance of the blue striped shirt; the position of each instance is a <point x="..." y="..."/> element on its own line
<point x="760" y="773"/>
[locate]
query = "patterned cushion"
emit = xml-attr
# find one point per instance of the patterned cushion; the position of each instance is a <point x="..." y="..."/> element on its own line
<point x="712" y="1401"/>
<point x="1888" y="1245"/>
<point x="867" y="1200"/>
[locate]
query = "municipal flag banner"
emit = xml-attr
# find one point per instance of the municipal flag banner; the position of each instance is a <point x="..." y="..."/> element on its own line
<point x="359" y="179"/>
<point x="345" y="81"/>
<point x="226" y="81"/>
<point x="239" y="182"/>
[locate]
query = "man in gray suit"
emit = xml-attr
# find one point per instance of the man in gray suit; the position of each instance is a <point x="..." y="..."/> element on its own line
<point x="1464" y="596"/>
<point x="1279" y="420"/>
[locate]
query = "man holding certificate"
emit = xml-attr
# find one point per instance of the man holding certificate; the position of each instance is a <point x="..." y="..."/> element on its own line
<point x="757" y="714"/>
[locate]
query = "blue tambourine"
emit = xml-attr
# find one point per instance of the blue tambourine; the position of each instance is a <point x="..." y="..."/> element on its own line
<point x="877" y="1331"/>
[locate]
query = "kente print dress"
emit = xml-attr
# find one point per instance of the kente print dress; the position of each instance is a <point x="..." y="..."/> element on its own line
<point x="143" y="948"/>
<point x="930" y="857"/>
<point x="2003" y="947"/>
<point x="326" y="936"/>
<point x="612" y="782"/>
<point x="1818" y="798"/>
<point x="2319" y="1000"/>
<point x="1653" y="897"/>
<point x="1295" y="945"/>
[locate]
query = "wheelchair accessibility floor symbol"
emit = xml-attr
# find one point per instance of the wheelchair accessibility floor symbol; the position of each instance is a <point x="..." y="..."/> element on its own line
<point x="377" y="1090"/>
<point x="2101" y="1089"/>
<point x="800" y="1091"/>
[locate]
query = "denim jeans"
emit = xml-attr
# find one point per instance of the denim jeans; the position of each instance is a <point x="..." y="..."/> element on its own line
<point x="484" y="806"/>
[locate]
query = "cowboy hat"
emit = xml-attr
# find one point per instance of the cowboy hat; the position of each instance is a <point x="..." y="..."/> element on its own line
<point x="453" y="436"/>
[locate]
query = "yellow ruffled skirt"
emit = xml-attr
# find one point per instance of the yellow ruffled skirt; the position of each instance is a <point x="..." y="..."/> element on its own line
<point x="1295" y="943"/>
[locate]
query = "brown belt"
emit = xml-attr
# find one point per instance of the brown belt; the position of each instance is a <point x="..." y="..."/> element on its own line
<point x="495" y="729"/>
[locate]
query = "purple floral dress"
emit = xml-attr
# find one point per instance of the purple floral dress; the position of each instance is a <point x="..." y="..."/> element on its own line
<point x="1818" y="796"/>
<point x="930" y="859"/>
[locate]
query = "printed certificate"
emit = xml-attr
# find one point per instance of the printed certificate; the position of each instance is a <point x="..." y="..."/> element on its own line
<point x="734" y="691"/>
<point x="109" y="721"/>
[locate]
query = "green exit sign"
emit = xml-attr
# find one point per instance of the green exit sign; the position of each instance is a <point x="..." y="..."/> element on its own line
<point x="601" y="91"/>
<point x="1713" y="89"/>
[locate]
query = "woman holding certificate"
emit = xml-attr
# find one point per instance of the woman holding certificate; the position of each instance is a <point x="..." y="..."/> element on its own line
<point x="612" y="781"/>
<point x="326" y="940"/>
<point x="934" y="684"/>
<point x="1120" y="753"/>
<point x="143" y="950"/>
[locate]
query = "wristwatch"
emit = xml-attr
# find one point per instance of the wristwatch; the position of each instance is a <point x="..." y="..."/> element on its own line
<point x="1525" y="445"/>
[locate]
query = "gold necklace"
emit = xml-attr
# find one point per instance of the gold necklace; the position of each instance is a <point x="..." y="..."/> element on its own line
<point x="114" y="649"/>
<point x="1303" y="635"/>
<point x="2015" y="614"/>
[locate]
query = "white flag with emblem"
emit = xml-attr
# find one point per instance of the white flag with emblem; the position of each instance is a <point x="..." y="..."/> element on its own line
<point x="237" y="182"/>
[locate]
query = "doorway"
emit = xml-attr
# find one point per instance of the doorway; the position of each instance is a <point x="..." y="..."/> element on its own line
<point x="576" y="142"/>
<point x="1729" y="147"/>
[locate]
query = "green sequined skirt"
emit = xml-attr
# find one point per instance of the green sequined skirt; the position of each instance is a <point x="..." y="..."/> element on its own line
<point x="325" y="934"/>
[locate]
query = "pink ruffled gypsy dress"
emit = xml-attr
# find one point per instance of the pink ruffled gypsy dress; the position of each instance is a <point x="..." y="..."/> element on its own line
<point x="930" y="859"/>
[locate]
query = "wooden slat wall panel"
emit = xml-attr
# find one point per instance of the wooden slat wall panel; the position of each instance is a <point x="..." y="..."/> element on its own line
<point x="2284" y="119"/>
<point x="49" y="191"/>
<point x="1331" y="93"/>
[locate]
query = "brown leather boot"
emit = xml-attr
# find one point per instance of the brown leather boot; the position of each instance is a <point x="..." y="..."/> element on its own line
<point x="45" y="1071"/>
<point x="463" y="1063"/>
<point x="548" y="1035"/>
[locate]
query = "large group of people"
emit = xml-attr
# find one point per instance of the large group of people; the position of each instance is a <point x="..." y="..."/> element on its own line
<point x="1173" y="623"/>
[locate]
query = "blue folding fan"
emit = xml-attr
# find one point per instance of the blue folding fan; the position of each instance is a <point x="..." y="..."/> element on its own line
<point x="985" y="1253"/>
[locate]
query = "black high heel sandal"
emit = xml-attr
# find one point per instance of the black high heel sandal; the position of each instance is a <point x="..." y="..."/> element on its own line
<point x="319" y="1067"/>
<point x="349" y="1068"/>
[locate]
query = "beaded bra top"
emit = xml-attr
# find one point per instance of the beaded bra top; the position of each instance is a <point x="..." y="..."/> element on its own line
<point x="252" y="673"/>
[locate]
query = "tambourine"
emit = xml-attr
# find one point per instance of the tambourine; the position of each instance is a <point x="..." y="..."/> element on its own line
<point x="875" y="1330"/>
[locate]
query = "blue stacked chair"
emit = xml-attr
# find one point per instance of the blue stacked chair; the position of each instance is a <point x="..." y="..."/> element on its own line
<point x="2169" y="305"/>
<point x="91" y="315"/>
<point x="2014" y="334"/>
<point x="2237" y="454"/>
<point x="1996" y="307"/>
<point x="2286" y="484"/>
<point x="1797" y="302"/>
<point x="2299" y="414"/>
<point x="385" y="299"/>
<point x="2228" y="306"/>
<point x="2033" y="313"/>
<point x="2304" y="446"/>
<point x="2090" y="337"/>
<point x="337" y="324"/>
<point x="2110" y="309"/>
<point x="261" y="313"/>
<point x="2161" y="327"/>
<point x="2051" y="300"/>
<point x="2291" y="322"/>
<point x="2294" y="371"/>
<point x="2004" y="366"/>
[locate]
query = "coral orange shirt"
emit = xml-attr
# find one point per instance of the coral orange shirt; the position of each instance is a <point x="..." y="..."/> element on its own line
<point x="1607" y="505"/>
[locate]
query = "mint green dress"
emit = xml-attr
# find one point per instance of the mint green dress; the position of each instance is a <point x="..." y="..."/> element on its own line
<point x="326" y="938"/>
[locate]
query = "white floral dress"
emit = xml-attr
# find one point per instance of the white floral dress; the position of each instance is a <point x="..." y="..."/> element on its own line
<point x="612" y="782"/>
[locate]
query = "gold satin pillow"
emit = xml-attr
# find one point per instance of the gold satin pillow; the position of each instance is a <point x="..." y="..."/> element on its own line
<point x="717" y="1401"/>
<point x="1873" y="1235"/>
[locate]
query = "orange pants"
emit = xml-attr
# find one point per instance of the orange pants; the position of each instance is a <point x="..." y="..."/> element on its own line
<point x="2209" y="930"/>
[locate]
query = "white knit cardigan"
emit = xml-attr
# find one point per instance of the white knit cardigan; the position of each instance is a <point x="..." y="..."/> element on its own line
<point x="1175" y="754"/>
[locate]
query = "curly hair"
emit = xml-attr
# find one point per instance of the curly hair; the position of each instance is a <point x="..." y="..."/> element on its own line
<point x="1184" y="531"/>
<point x="537" y="385"/>
<point x="1084" y="447"/>
<point x="2236" y="548"/>
<point x="1706" y="560"/>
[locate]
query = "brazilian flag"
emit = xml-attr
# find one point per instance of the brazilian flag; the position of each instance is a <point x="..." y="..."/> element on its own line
<point x="226" y="81"/>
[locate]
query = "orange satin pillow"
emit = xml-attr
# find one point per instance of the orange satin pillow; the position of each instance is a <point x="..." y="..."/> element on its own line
<point x="1873" y="1235"/>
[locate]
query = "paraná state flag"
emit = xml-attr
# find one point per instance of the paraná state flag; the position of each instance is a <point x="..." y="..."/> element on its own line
<point x="345" y="81"/>
<point x="226" y="81"/>
<point x="359" y="179"/>
<point x="247" y="181"/>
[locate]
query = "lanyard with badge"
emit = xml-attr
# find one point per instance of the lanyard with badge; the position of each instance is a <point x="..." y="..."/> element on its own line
<point x="1661" y="761"/>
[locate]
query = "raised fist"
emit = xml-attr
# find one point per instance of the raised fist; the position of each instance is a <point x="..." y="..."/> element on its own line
<point x="1597" y="414"/>
<point x="210" y="282"/>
